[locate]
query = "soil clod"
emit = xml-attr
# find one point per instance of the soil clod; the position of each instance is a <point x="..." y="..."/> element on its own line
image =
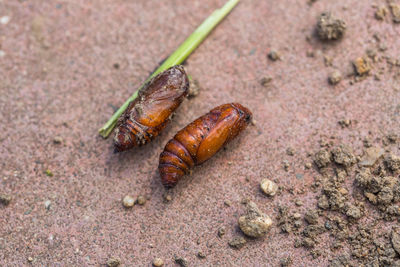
<point x="254" y="223"/>
<point x="113" y="262"/>
<point x="237" y="242"/>
<point x="329" y="27"/>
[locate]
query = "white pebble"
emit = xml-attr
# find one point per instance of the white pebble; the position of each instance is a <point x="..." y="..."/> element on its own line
<point x="269" y="187"/>
<point x="128" y="202"/>
<point x="2" y="53"/>
<point x="47" y="204"/>
<point x="4" y="20"/>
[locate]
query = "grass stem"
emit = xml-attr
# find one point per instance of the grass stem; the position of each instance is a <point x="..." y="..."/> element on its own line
<point x="176" y="58"/>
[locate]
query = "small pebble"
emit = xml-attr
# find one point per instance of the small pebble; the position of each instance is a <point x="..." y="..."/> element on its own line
<point x="47" y="204"/>
<point x="344" y="123"/>
<point x="328" y="225"/>
<point x="286" y="262"/>
<point x="269" y="187"/>
<point x="274" y="55"/>
<point x="181" y="261"/>
<point x="116" y="66"/>
<point x="5" y="20"/>
<point x="167" y="197"/>
<point x="290" y="151"/>
<point x="141" y="200"/>
<point x="335" y="77"/>
<point x="201" y="255"/>
<point x="158" y="262"/>
<point x="57" y="140"/>
<point x="128" y="201"/>
<point x="308" y="165"/>
<point x="299" y="203"/>
<point x="2" y="53"/>
<point x="265" y="81"/>
<point x="286" y="165"/>
<point x="5" y="199"/>
<point x="30" y="259"/>
<point x="227" y="203"/>
<point x="221" y="232"/>
<point x="113" y="262"/>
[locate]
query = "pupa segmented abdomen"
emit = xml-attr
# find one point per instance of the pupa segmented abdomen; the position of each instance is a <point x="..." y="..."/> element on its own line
<point x="151" y="111"/>
<point x="200" y="140"/>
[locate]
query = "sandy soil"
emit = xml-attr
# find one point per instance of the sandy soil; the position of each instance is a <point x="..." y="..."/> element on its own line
<point x="57" y="79"/>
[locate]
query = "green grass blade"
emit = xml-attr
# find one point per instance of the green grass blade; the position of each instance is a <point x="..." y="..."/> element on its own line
<point x="180" y="54"/>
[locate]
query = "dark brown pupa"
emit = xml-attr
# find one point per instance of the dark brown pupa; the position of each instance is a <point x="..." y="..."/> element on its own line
<point x="200" y="140"/>
<point x="150" y="112"/>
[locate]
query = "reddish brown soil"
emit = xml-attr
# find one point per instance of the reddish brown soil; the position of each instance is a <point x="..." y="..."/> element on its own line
<point x="57" y="79"/>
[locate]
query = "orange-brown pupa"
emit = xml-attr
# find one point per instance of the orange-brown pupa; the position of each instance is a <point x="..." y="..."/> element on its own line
<point x="200" y="140"/>
<point x="150" y="112"/>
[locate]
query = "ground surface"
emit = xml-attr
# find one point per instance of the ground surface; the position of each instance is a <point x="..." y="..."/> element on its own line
<point x="57" y="79"/>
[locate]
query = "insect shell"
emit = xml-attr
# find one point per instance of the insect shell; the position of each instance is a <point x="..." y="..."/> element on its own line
<point x="200" y="140"/>
<point x="151" y="111"/>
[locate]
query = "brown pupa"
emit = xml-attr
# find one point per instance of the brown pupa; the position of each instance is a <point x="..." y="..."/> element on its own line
<point x="151" y="111"/>
<point x="200" y="140"/>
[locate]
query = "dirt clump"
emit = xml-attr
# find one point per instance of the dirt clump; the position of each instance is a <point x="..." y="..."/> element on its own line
<point x="113" y="262"/>
<point x="362" y="66"/>
<point x="254" y="223"/>
<point x="347" y="189"/>
<point x="381" y="12"/>
<point x="329" y="27"/>
<point x="322" y="158"/>
<point x="395" y="9"/>
<point x="392" y="138"/>
<point x="371" y="156"/>
<point x="237" y="242"/>
<point x="311" y="216"/>
<point x="393" y="162"/>
<point x="343" y="155"/>
<point x="395" y="239"/>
